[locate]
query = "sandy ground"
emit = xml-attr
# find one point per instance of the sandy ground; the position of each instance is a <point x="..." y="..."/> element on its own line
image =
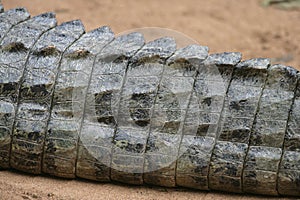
<point x="16" y="186"/>
<point x="227" y="25"/>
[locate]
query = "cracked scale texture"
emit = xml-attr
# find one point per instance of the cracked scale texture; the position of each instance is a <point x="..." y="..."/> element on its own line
<point x="88" y="105"/>
<point x="15" y="47"/>
<point x="36" y="93"/>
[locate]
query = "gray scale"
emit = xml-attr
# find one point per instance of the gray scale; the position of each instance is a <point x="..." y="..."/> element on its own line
<point x="238" y="115"/>
<point x="102" y="105"/>
<point x="137" y="101"/>
<point x="266" y="142"/>
<point x="36" y="95"/>
<point x="202" y="119"/>
<point x="169" y="114"/>
<point x="10" y="18"/>
<point x="289" y="169"/>
<point x="15" y="47"/>
<point x="288" y="173"/>
<point x="60" y="150"/>
<point x="274" y="107"/>
<point x="292" y="137"/>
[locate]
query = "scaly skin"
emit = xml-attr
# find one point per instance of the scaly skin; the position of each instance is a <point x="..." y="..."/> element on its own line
<point x="76" y="104"/>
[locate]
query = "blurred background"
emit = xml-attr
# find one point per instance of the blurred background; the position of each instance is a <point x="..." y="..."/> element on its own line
<point x="250" y="27"/>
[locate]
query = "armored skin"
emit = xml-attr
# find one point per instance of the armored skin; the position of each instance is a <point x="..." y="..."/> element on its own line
<point x="106" y="108"/>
